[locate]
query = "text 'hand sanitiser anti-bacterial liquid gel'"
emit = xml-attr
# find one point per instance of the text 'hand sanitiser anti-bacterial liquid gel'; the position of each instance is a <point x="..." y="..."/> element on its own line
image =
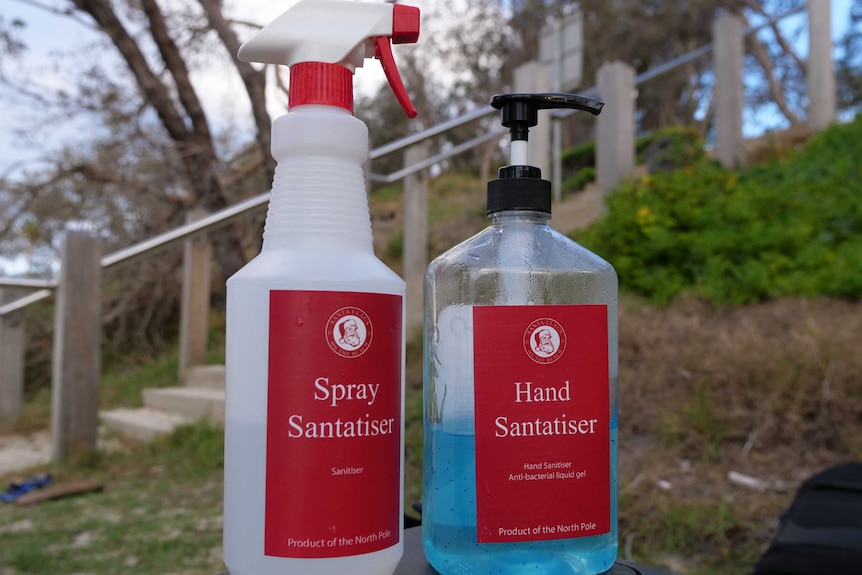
<point x="520" y="456"/>
<point x="315" y="336"/>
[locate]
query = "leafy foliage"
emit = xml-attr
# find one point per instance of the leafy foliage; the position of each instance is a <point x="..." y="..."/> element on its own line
<point x="789" y="227"/>
<point x="670" y="148"/>
<point x="663" y="149"/>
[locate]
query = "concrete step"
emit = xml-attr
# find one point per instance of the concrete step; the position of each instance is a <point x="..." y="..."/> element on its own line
<point x="144" y="424"/>
<point x="190" y="402"/>
<point x="211" y="376"/>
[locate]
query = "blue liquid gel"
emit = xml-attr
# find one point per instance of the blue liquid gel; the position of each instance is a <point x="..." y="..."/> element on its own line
<point x="449" y="521"/>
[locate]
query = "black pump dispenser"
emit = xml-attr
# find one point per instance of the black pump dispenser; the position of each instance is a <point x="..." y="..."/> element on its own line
<point x="519" y="186"/>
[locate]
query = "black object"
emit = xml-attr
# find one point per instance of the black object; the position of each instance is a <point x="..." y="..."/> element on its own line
<point x="822" y="531"/>
<point x="522" y="187"/>
<point x="414" y="563"/>
<point x="521" y="111"/>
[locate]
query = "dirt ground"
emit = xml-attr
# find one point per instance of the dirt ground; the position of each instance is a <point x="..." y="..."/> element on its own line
<point x="24" y="451"/>
<point x="770" y="392"/>
<point x="723" y="412"/>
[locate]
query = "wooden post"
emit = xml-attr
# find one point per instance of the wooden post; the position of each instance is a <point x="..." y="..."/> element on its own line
<point x="12" y="342"/>
<point x="415" y="214"/>
<point x="615" y="128"/>
<point x="821" y="72"/>
<point x="536" y="77"/>
<point x="195" y="304"/>
<point x="728" y="56"/>
<point x="415" y="254"/>
<point x="77" y="347"/>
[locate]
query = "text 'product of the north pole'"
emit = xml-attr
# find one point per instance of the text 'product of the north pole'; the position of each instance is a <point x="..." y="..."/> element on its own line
<point x="520" y="454"/>
<point x="314" y="435"/>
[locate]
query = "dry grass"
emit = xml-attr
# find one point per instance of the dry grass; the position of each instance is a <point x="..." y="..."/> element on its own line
<point x="771" y="391"/>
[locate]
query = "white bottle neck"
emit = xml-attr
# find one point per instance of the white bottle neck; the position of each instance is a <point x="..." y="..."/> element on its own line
<point x="318" y="195"/>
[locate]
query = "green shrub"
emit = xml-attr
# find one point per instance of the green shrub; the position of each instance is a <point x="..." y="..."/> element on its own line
<point x="395" y="246"/>
<point x="580" y="157"/>
<point x="579" y="180"/>
<point x="670" y="148"/>
<point x="790" y="227"/>
<point x="662" y="150"/>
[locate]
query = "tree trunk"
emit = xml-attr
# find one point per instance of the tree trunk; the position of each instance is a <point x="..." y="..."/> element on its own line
<point x="255" y="82"/>
<point x="195" y="146"/>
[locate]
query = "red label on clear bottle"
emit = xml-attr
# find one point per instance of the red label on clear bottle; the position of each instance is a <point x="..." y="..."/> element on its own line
<point x="542" y="422"/>
<point x="333" y="454"/>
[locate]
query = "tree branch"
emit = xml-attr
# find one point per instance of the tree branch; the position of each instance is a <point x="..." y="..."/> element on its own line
<point x="195" y="147"/>
<point x="788" y="49"/>
<point x="154" y="91"/>
<point x="254" y="81"/>
<point x="177" y="67"/>
<point x="779" y="37"/>
<point x="776" y="86"/>
<point x="245" y="23"/>
<point x="280" y="82"/>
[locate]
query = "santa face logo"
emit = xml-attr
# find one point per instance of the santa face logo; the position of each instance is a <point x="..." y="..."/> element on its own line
<point x="348" y="332"/>
<point x="544" y="340"/>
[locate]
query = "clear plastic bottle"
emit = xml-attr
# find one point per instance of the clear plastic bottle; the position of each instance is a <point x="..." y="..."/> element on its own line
<point x="490" y="304"/>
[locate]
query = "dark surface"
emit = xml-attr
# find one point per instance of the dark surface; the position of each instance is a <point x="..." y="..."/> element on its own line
<point x="414" y="563"/>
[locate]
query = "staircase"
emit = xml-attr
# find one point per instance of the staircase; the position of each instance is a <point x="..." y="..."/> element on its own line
<point x="166" y="408"/>
<point x="203" y="396"/>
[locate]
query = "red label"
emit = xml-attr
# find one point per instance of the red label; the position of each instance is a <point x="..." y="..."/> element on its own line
<point x="333" y="435"/>
<point x="542" y="422"/>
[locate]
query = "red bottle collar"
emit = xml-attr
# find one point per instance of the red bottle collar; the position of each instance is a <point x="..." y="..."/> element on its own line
<point x="321" y="83"/>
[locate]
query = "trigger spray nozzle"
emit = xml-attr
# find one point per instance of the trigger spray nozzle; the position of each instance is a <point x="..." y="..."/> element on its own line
<point x="324" y="41"/>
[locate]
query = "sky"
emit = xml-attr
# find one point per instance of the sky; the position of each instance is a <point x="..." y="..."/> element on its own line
<point x="47" y="35"/>
<point x="222" y="93"/>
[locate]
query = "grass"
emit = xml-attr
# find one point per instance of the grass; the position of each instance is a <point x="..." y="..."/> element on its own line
<point x="123" y="386"/>
<point x="771" y="390"/>
<point x="413" y="415"/>
<point x="768" y="390"/>
<point x="160" y="512"/>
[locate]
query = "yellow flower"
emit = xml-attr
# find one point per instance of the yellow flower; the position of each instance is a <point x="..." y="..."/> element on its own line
<point x="644" y="217"/>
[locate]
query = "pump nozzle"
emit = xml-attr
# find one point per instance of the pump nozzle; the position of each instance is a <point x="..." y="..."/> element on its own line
<point x="330" y="39"/>
<point x="520" y="186"/>
<point x="521" y="112"/>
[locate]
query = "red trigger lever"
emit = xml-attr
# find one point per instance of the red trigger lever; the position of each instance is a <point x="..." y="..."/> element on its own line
<point x="405" y="30"/>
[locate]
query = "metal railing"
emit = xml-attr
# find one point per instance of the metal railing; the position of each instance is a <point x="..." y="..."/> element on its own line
<point x="139" y="250"/>
<point x="245" y="207"/>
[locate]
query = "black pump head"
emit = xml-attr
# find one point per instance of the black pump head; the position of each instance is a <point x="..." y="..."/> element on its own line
<point x="521" y="111"/>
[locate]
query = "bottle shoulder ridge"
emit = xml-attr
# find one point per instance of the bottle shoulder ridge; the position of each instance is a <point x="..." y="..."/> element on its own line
<point x="301" y="267"/>
<point x="466" y="250"/>
<point x="578" y="250"/>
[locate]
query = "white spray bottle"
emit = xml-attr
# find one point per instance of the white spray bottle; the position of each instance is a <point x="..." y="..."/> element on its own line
<point x="314" y="437"/>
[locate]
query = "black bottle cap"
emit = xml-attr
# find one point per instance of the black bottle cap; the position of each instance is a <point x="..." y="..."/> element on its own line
<point x="523" y="192"/>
